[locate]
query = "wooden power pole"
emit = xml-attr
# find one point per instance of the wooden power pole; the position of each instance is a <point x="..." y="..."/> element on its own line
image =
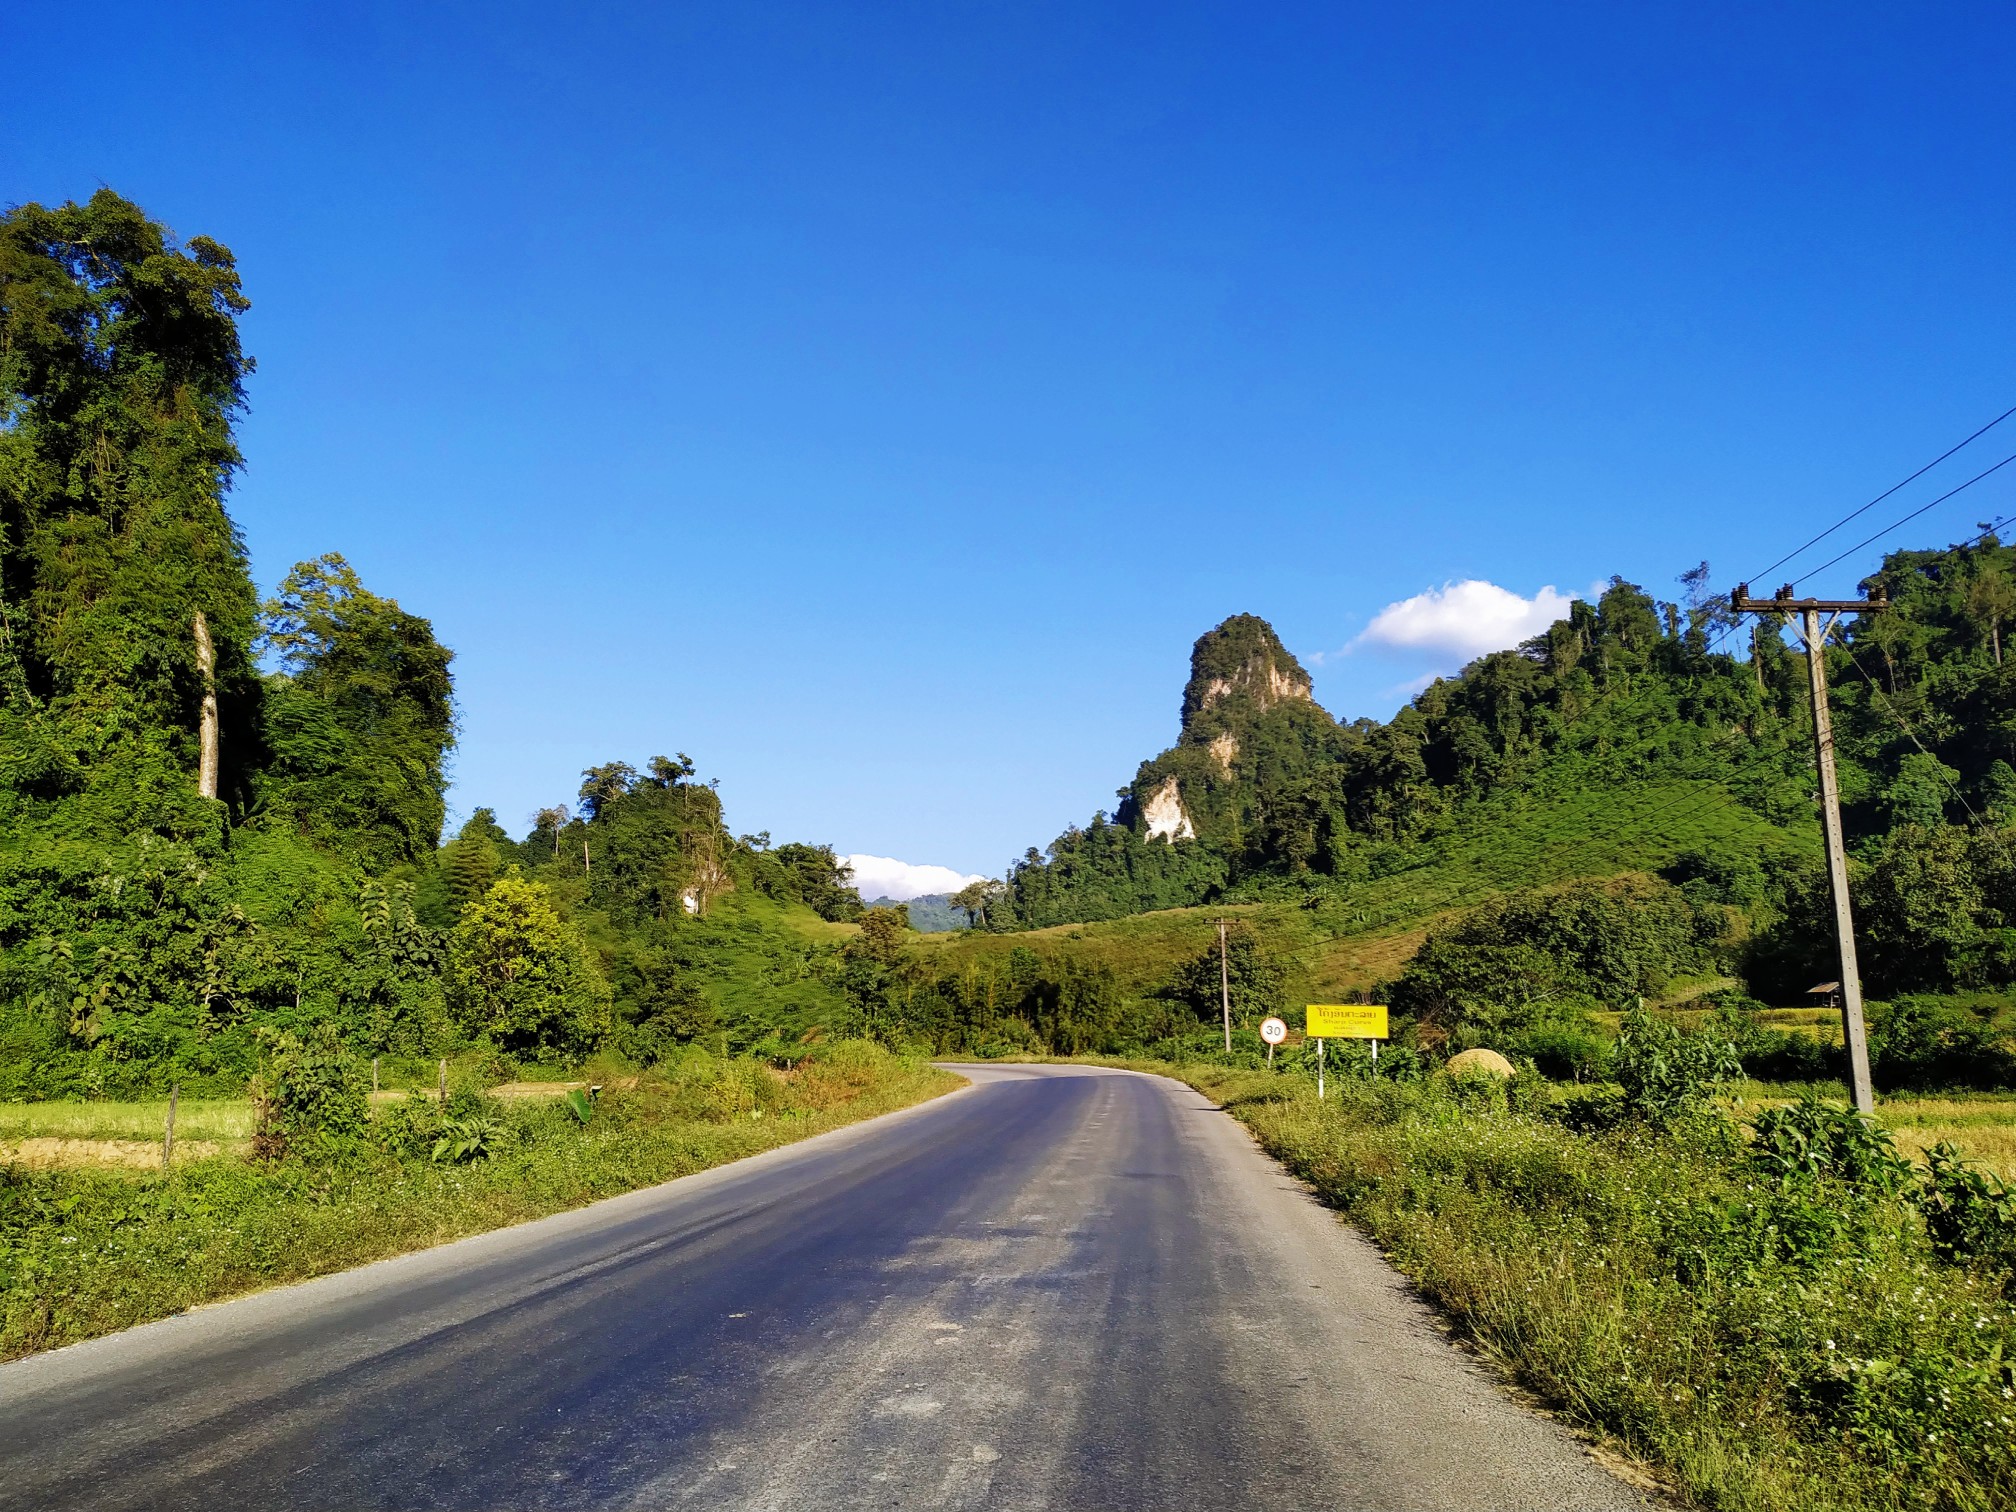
<point x="1225" y="985"/>
<point x="1853" y="1029"/>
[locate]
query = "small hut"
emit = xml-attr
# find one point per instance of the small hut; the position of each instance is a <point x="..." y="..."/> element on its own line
<point x="1826" y="995"/>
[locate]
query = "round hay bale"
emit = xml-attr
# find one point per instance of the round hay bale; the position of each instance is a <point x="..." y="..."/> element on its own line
<point x="1479" y="1063"/>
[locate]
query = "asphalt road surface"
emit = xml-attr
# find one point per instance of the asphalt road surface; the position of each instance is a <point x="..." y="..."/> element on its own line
<point x="1059" y="1288"/>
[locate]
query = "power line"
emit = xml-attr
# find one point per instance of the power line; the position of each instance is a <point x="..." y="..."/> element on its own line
<point x="1718" y="788"/>
<point x="1897" y="717"/>
<point x="1988" y="530"/>
<point x="1814" y="572"/>
<point x="1855" y="513"/>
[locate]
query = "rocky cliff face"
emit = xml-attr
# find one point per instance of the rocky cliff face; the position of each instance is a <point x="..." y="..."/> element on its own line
<point x="1250" y="728"/>
<point x="1164" y="814"/>
<point x="1241" y="668"/>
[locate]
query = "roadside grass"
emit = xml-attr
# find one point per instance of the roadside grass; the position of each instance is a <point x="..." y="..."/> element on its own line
<point x="84" y="1252"/>
<point x="1766" y="1348"/>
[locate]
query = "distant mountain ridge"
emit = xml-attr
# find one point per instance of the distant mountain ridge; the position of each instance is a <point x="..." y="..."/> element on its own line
<point x="932" y="913"/>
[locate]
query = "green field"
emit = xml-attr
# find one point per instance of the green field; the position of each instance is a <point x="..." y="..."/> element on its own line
<point x="1351" y="937"/>
<point x="205" y="1118"/>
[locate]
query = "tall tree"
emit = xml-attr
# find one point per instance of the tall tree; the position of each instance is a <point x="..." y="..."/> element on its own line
<point x="360" y="717"/>
<point x="120" y="376"/>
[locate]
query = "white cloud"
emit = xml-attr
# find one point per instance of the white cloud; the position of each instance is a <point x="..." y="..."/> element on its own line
<point x="1412" y="686"/>
<point x="886" y="877"/>
<point x="1467" y="618"/>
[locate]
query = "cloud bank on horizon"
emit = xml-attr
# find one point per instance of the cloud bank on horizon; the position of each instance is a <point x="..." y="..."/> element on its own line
<point x="1465" y="619"/>
<point x="886" y="877"/>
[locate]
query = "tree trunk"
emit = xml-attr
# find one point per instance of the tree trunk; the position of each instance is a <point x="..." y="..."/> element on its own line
<point x="206" y="666"/>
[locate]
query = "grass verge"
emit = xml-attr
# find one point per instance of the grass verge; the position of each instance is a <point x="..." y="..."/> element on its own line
<point x="85" y="1252"/>
<point x="1767" y="1345"/>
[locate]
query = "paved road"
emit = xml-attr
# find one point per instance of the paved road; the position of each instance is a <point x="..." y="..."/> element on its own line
<point x="1060" y="1288"/>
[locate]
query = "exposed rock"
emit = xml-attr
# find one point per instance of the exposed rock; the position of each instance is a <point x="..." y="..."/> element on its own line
<point x="1242" y="659"/>
<point x="1225" y="750"/>
<point x="1165" y="814"/>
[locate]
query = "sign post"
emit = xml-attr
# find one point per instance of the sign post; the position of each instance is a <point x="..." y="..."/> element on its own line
<point x="1272" y="1030"/>
<point x="1366" y="1021"/>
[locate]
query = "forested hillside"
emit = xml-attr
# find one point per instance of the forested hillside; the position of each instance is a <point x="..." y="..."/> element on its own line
<point x="1264" y="795"/>
<point x="221" y="819"/>
<point x="1628" y="742"/>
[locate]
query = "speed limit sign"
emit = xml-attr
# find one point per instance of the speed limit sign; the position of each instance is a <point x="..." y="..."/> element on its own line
<point x="1273" y="1031"/>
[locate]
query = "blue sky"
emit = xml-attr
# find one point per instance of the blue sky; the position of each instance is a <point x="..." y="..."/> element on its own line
<point x="876" y="401"/>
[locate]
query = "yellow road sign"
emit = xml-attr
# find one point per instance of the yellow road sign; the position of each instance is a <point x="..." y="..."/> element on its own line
<point x="1346" y="1021"/>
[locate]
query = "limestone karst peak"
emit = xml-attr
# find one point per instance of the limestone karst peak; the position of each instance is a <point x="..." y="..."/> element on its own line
<point x="1242" y="661"/>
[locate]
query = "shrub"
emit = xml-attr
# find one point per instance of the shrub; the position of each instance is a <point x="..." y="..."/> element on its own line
<point x="1207" y="1046"/>
<point x="1811" y="1141"/>
<point x="1665" y="1073"/>
<point x="1918" y="1043"/>
<point x="467" y="1138"/>
<point x="1970" y="1215"/>
<point x="1542" y="956"/>
<point x="1791" y="1056"/>
<point x="1354" y="1059"/>
<point x="308" y="1096"/>
<point x="1563" y="1053"/>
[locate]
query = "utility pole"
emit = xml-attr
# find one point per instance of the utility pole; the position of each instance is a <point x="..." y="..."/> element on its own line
<point x="1853" y="1031"/>
<point x="1225" y="985"/>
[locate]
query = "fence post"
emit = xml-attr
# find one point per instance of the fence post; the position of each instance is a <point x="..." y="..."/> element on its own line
<point x="168" y="1134"/>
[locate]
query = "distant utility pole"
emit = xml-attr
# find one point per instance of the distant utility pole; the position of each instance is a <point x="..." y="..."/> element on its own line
<point x="1815" y="635"/>
<point x="1225" y="985"/>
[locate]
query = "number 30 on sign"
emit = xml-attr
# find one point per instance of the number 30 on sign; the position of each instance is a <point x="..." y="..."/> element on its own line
<point x="1346" y="1021"/>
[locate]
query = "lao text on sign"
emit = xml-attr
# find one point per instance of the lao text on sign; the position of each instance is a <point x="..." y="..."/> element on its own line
<point x="1346" y="1021"/>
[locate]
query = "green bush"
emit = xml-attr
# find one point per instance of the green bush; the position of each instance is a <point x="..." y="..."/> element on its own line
<point x="1665" y="1073"/>
<point x="308" y="1097"/>
<point x="1921" y="1044"/>
<point x="466" y="1138"/>
<point x="1810" y="1141"/>
<point x="1970" y="1215"/>
<point x="1562" y="1052"/>
<point x="1545" y="956"/>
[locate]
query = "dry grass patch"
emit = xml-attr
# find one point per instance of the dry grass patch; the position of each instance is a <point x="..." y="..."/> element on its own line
<point x="119" y="1154"/>
<point x="196" y="1119"/>
<point x="1983" y="1128"/>
<point x="1351" y="964"/>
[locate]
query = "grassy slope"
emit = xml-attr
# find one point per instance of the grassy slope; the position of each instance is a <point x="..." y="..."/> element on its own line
<point x="1364" y="933"/>
<point x="85" y="1252"/>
